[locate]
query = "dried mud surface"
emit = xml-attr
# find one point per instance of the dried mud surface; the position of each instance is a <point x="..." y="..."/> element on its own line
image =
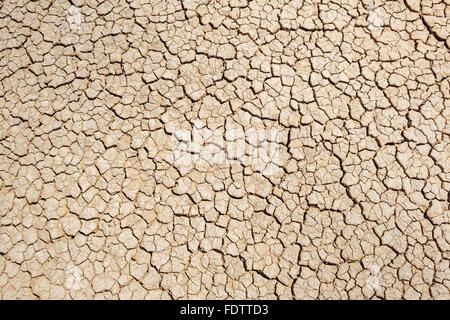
<point x="97" y="99"/>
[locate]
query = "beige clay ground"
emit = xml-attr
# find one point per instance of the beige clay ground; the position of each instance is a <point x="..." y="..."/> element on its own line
<point x="106" y="192"/>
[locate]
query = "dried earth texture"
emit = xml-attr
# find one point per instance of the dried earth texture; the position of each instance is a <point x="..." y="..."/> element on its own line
<point x="106" y="193"/>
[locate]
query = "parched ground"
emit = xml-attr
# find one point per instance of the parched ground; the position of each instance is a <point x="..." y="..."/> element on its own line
<point x="220" y="149"/>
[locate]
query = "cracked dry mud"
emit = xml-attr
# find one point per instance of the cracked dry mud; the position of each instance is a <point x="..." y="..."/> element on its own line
<point x="96" y="98"/>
